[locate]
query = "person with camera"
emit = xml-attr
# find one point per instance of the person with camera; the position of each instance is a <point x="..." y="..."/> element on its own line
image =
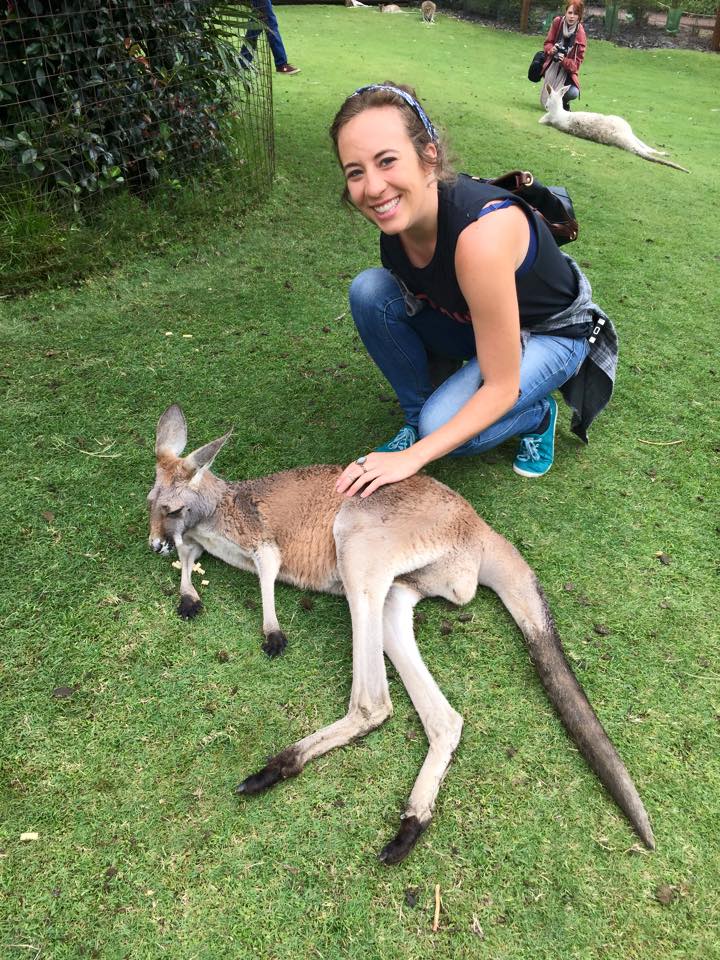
<point x="564" y="52"/>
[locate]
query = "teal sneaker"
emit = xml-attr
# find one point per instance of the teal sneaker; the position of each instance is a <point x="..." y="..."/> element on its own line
<point x="404" y="438"/>
<point x="537" y="450"/>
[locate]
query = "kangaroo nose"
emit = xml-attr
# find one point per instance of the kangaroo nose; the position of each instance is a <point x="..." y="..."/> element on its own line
<point x="161" y="546"/>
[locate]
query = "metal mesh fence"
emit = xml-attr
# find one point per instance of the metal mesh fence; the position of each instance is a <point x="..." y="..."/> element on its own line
<point x="101" y="95"/>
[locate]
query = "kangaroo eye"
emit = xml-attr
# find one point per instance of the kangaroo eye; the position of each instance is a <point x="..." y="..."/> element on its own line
<point x="175" y="513"/>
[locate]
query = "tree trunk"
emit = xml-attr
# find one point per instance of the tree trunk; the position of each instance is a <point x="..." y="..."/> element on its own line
<point x="715" y="42"/>
<point x="525" y="12"/>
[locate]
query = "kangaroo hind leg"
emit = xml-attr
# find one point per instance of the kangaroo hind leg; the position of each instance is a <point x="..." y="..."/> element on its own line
<point x="441" y="723"/>
<point x="369" y="698"/>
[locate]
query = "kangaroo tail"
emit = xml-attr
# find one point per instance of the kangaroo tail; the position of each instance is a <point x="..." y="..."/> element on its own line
<point x="665" y="163"/>
<point x="507" y="573"/>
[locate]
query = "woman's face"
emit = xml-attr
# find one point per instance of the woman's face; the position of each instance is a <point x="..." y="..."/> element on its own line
<point x="386" y="180"/>
<point x="571" y="16"/>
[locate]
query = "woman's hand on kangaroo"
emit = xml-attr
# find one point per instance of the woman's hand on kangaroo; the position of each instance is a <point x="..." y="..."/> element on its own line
<point x="376" y="470"/>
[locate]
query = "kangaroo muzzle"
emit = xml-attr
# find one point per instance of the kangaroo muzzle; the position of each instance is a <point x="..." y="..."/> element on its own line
<point x="161" y="546"/>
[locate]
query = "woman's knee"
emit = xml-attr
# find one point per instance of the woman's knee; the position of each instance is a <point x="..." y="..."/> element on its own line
<point x="432" y="416"/>
<point x="375" y="298"/>
<point x="370" y="288"/>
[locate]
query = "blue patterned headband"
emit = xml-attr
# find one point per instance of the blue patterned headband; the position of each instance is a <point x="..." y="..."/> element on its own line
<point x="411" y="102"/>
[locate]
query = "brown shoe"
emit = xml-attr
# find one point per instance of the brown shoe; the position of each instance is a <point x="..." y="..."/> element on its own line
<point x="287" y="68"/>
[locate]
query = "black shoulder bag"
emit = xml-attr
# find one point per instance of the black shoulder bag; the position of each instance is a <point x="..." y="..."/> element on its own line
<point x="535" y="68"/>
<point x="553" y="204"/>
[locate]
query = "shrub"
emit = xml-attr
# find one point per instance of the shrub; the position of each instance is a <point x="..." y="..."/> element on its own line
<point x="103" y="91"/>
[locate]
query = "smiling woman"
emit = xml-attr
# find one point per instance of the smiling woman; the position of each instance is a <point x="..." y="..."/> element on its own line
<point x="471" y="278"/>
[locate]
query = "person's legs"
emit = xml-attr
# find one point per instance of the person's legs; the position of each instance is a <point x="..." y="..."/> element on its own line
<point x="547" y="363"/>
<point x="398" y="343"/>
<point x="266" y="14"/>
<point x="572" y="94"/>
<point x="274" y="39"/>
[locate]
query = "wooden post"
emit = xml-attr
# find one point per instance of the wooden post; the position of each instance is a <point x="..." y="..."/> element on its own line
<point x="525" y="13"/>
<point x="715" y="42"/>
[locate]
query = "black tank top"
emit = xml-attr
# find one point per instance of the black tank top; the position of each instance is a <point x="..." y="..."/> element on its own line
<point x="543" y="290"/>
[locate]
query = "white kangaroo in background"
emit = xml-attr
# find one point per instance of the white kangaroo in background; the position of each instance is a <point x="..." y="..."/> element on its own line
<point x="407" y="541"/>
<point x="600" y="127"/>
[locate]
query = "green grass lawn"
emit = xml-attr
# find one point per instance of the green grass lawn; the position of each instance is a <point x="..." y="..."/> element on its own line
<point x="127" y="774"/>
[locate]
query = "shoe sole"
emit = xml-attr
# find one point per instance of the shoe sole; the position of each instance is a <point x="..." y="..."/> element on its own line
<point x="527" y="473"/>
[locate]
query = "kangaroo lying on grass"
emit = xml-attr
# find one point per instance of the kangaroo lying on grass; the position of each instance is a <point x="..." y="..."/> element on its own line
<point x="600" y="127"/>
<point x="407" y="541"/>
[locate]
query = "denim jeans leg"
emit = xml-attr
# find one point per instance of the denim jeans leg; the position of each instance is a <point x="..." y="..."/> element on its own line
<point x="398" y="342"/>
<point x="548" y="362"/>
<point x="265" y="13"/>
<point x="274" y="38"/>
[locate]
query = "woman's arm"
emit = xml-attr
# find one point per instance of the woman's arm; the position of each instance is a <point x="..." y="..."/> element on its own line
<point x="487" y="254"/>
<point x="549" y="45"/>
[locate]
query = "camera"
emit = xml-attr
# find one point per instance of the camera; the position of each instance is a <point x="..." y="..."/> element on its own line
<point x="561" y="49"/>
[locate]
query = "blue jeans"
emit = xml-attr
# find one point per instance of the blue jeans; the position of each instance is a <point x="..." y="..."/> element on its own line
<point x="267" y="15"/>
<point x="399" y="344"/>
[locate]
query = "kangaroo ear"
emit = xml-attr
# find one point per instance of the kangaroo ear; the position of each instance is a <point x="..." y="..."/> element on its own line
<point x="548" y="89"/>
<point x="201" y="458"/>
<point x="171" y="433"/>
<point x="564" y="90"/>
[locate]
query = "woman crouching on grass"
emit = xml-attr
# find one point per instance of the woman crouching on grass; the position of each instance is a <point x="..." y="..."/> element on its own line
<point x="564" y="53"/>
<point x="470" y="273"/>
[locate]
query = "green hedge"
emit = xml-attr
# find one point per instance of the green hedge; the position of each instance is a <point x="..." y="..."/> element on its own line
<point x="101" y="91"/>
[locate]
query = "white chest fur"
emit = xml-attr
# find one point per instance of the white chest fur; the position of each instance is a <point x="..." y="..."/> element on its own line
<point x="221" y="547"/>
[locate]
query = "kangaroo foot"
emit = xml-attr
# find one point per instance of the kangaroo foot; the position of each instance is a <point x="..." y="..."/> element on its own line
<point x="403" y="842"/>
<point x="281" y="767"/>
<point x="275" y="643"/>
<point x="189" y="607"/>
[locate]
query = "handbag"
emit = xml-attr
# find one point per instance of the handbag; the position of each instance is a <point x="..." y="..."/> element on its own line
<point x="535" y="68"/>
<point x="552" y="204"/>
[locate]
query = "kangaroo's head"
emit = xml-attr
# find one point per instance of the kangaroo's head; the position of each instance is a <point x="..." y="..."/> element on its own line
<point x="554" y="104"/>
<point x="184" y="493"/>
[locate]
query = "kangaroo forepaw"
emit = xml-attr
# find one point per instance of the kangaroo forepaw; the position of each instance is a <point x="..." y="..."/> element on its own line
<point x="275" y="643"/>
<point x="403" y="842"/>
<point x="281" y="767"/>
<point x="189" y="607"/>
